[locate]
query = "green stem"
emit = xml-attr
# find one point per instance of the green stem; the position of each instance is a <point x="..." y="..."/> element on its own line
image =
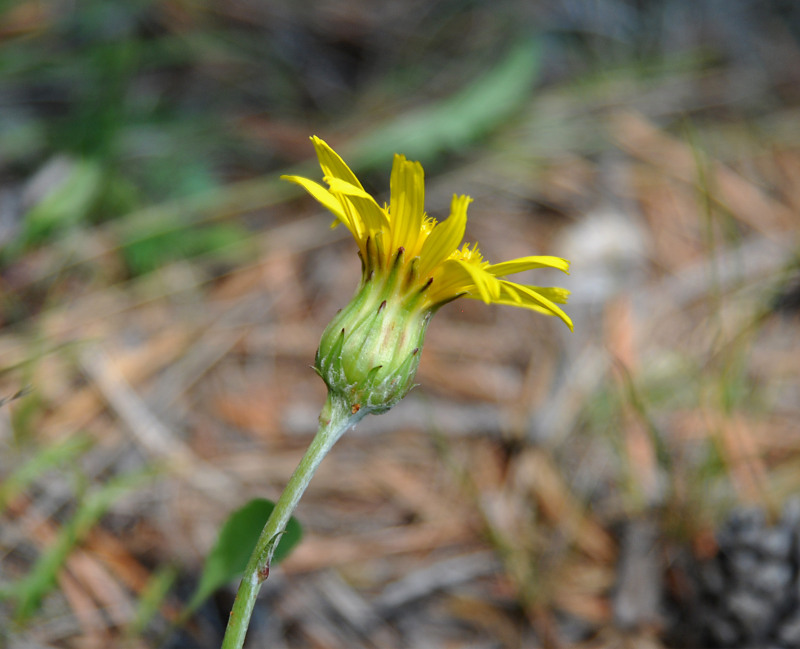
<point x="334" y="420"/>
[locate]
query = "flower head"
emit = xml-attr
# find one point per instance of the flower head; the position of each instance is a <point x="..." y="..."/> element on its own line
<point x="411" y="266"/>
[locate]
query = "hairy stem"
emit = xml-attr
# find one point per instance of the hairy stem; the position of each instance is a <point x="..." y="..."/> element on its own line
<point x="334" y="420"/>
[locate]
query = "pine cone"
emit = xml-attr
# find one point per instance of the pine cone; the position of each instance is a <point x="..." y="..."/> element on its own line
<point x="748" y="595"/>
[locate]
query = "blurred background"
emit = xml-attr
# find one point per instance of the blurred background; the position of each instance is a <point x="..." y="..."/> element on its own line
<point x="162" y="294"/>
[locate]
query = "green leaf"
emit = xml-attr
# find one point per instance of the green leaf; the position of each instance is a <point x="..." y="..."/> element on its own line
<point x="236" y="542"/>
<point x="67" y="201"/>
<point x="455" y="122"/>
<point x="144" y="255"/>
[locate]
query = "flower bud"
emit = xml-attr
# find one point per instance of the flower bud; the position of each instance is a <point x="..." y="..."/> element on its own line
<point x="370" y="351"/>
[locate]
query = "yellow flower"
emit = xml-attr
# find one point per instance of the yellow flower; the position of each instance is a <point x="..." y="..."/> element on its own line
<point x="412" y="265"/>
<point x="430" y="249"/>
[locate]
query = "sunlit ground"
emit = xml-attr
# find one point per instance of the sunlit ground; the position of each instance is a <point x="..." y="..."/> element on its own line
<point x="162" y="295"/>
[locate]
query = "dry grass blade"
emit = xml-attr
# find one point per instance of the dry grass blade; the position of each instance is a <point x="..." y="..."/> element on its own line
<point x="153" y="436"/>
<point x="747" y="202"/>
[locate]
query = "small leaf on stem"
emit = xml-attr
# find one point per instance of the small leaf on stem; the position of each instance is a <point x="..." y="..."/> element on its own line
<point x="237" y="540"/>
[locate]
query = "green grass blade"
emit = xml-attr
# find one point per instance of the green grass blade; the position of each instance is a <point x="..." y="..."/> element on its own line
<point x="151" y="599"/>
<point x="44" y="460"/>
<point x="29" y="591"/>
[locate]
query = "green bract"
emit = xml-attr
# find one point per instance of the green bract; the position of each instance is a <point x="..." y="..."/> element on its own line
<point x="370" y="351"/>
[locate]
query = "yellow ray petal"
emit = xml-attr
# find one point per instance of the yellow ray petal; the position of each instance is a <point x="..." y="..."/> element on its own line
<point x="528" y="297"/>
<point x="527" y="263"/>
<point x="457" y="277"/>
<point x="552" y="293"/>
<point x="371" y="217"/>
<point x="407" y="203"/>
<point x="332" y="163"/>
<point x="319" y="192"/>
<point x="445" y="236"/>
<point x="339" y="186"/>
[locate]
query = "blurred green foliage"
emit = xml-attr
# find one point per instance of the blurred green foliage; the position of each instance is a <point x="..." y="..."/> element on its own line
<point x="95" y="117"/>
<point x="120" y="106"/>
<point x="138" y="103"/>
